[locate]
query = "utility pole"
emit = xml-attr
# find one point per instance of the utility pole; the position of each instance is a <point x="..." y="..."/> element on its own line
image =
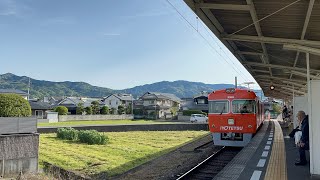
<point x="29" y="89"/>
<point x="131" y="104"/>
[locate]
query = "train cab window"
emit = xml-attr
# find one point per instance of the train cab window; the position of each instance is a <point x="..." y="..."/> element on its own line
<point x="243" y="106"/>
<point x="218" y="107"/>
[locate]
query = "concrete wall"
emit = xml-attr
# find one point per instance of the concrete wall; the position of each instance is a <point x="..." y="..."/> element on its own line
<point x="184" y="118"/>
<point x="18" y="152"/>
<point x="17" y="125"/>
<point x="93" y="117"/>
<point x="142" y="127"/>
<point x="52" y="117"/>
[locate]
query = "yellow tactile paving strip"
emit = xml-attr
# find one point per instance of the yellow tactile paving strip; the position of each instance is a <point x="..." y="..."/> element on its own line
<point x="277" y="167"/>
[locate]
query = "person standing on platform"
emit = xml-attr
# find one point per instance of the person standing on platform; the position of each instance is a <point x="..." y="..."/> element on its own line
<point x="304" y="141"/>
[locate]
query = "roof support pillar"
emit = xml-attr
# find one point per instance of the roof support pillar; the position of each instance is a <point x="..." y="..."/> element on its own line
<point x="309" y="109"/>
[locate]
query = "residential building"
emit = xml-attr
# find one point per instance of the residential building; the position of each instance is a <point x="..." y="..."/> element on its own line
<point x="198" y="102"/>
<point x="14" y="91"/>
<point x="114" y="100"/>
<point x="160" y="105"/>
<point x="72" y="103"/>
<point x="39" y="108"/>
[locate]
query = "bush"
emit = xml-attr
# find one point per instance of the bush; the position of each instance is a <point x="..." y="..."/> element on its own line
<point x="67" y="133"/>
<point x="13" y="105"/>
<point x="88" y="110"/>
<point x="80" y="109"/>
<point x="62" y="110"/>
<point x="121" y="109"/>
<point x="105" y="110"/>
<point x="95" y="107"/>
<point x="189" y="112"/>
<point x="138" y="112"/>
<point x="83" y="136"/>
<point x="92" y="137"/>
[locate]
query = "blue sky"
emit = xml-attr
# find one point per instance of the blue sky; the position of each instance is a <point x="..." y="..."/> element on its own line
<point x="114" y="44"/>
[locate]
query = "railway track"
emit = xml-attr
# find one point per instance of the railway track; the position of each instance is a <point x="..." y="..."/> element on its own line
<point x="211" y="166"/>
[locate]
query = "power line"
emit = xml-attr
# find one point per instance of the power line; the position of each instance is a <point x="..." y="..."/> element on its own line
<point x="210" y="34"/>
<point x="204" y="38"/>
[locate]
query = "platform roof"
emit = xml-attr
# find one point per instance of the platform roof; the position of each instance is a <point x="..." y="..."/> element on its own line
<point x="267" y="48"/>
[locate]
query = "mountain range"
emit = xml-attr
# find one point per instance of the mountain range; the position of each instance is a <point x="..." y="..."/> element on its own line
<point x="41" y="88"/>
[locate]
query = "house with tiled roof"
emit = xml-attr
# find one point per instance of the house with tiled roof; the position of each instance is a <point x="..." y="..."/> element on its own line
<point x="114" y="100"/>
<point x="160" y="105"/>
<point x="39" y="108"/>
<point x="72" y="102"/>
<point x="14" y="91"/>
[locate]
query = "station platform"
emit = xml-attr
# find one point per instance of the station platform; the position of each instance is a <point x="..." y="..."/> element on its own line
<point x="271" y="154"/>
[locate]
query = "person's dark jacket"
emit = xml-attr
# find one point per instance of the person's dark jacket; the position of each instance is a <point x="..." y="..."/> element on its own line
<point x="305" y="131"/>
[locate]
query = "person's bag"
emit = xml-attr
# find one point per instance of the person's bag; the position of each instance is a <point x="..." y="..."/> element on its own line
<point x="297" y="137"/>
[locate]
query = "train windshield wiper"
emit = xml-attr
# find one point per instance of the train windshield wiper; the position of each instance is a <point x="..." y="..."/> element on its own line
<point x="224" y="107"/>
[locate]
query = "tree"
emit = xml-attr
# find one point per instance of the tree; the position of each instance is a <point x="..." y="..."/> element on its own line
<point x="13" y="105"/>
<point x="112" y="110"/>
<point x="129" y="109"/>
<point x="174" y="110"/>
<point x="88" y="110"/>
<point x="80" y="109"/>
<point x="121" y="109"/>
<point x="62" y="110"/>
<point x="105" y="110"/>
<point x="95" y="107"/>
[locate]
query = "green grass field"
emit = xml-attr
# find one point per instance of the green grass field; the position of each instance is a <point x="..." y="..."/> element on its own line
<point x="103" y="122"/>
<point x="124" y="151"/>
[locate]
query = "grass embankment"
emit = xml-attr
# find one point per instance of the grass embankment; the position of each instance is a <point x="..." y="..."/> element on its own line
<point x="124" y="150"/>
<point x="102" y="122"/>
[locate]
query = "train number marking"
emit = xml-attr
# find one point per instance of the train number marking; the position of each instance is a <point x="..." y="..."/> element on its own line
<point x="226" y="128"/>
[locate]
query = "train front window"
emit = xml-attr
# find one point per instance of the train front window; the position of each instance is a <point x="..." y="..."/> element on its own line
<point x="218" y="107"/>
<point x="243" y="106"/>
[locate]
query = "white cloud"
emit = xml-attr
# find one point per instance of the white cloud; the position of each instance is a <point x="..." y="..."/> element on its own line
<point x="14" y="8"/>
<point x="111" y="34"/>
<point x="8" y="8"/>
<point x="60" y="21"/>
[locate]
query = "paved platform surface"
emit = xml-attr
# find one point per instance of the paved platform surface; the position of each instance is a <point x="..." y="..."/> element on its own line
<point x="270" y="155"/>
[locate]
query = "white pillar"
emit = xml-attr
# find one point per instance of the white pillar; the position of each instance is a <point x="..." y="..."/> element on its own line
<point x="314" y="124"/>
<point x="309" y="113"/>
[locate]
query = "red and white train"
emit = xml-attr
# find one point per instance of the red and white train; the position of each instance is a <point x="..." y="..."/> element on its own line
<point x="234" y="116"/>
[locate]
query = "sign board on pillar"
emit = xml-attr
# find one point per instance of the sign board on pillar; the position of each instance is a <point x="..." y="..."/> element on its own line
<point x="314" y="123"/>
<point x="300" y="104"/>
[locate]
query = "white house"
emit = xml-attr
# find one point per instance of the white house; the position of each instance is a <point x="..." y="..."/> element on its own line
<point x="160" y="104"/>
<point x="114" y="100"/>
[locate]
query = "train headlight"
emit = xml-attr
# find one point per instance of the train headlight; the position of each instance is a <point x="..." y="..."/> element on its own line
<point x="249" y="126"/>
<point x="231" y="121"/>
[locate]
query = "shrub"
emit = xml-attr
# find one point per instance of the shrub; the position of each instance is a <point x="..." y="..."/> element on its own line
<point x="92" y="137"/>
<point x="189" y="112"/>
<point x="112" y="111"/>
<point x="105" y="110"/>
<point x="62" y="110"/>
<point x="88" y="110"/>
<point x="80" y="109"/>
<point x="67" y="133"/>
<point x="13" y="105"/>
<point x="138" y="112"/>
<point x="95" y="107"/>
<point x="121" y="109"/>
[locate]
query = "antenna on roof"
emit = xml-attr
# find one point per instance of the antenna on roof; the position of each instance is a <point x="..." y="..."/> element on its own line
<point x="235" y="82"/>
<point x="248" y="84"/>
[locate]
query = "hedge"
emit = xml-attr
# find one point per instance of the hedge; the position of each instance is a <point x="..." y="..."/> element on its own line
<point x="13" y="105"/>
